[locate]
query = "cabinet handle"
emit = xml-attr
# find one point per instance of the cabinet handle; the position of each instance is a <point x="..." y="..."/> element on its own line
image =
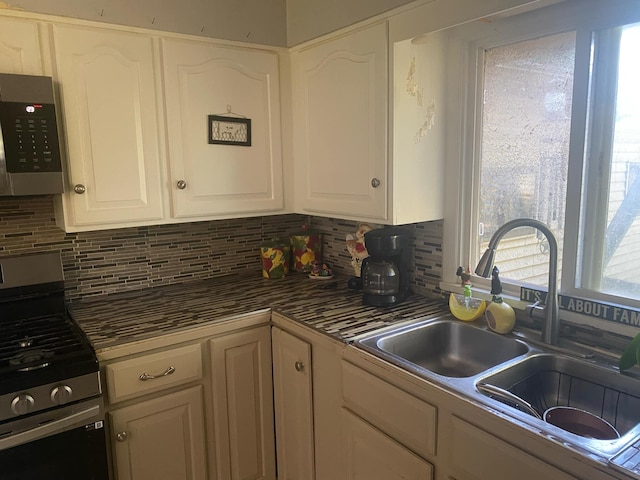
<point x="299" y="366"/>
<point x="181" y="184"/>
<point x="375" y="183"/>
<point x="145" y="376"/>
<point x="122" y="436"/>
<point x="79" y="189"/>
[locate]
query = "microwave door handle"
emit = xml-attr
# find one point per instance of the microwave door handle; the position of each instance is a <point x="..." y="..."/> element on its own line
<point x="49" y="428"/>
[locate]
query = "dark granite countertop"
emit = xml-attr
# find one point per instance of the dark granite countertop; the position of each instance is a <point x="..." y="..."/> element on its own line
<point x="325" y="305"/>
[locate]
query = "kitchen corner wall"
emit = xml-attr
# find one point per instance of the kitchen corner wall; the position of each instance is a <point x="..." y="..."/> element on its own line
<point x="426" y="250"/>
<point x="110" y="261"/>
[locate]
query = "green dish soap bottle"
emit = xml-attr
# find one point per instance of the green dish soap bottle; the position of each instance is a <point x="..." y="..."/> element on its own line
<point x="499" y="315"/>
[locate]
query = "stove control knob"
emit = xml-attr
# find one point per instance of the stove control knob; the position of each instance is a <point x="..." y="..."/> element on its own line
<point x="22" y="404"/>
<point x="61" y="394"/>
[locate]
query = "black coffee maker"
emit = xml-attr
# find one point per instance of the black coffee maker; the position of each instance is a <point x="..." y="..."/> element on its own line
<point x="384" y="273"/>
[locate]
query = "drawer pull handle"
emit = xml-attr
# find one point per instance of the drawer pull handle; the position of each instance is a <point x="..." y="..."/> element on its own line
<point x="122" y="436"/>
<point x="299" y="366"/>
<point x="145" y="376"/>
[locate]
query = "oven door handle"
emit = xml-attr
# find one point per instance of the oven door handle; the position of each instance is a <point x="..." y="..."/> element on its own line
<point x="57" y="426"/>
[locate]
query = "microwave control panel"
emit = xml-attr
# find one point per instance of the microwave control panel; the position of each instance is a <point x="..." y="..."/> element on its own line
<point x="29" y="136"/>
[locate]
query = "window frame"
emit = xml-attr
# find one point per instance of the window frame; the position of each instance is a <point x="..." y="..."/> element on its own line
<point x="465" y="113"/>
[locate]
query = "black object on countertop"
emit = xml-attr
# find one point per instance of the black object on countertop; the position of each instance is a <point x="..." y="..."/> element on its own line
<point x="496" y="284"/>
<point x="355" y="283"/>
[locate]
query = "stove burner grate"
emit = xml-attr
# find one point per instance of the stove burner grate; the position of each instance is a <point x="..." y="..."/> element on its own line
<point x="27" y="344"/>
<point x="31" y="359"/>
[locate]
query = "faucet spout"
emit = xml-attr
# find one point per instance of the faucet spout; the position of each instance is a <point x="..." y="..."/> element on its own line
<point x="551" y="325"/>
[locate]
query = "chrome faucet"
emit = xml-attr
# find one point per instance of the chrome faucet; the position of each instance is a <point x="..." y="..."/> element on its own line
<point x="550" y="326"/>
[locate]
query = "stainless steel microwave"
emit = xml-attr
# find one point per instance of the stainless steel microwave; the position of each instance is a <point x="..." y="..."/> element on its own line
<point x="30" y="162"/>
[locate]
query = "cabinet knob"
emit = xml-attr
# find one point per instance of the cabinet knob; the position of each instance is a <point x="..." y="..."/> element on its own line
<point x="181" y="184"/>
<point x="122" y="436"/>
<point x="375" y="183"/>
<point x="79" y="189"/>
<point x="299" y="366"/>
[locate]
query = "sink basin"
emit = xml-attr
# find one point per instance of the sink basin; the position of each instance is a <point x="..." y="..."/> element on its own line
<point x="548" y="380"/>
<point x="447" y="347"/>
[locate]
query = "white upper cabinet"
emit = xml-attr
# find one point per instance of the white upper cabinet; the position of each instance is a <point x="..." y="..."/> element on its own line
<point x="120" y="172"/>
<point x="340" y="94"/>
<point x="368" y="144"/>
<point x="240" y="87"/>
<point x="110" y="108"/>
<point x="19" y="47"/>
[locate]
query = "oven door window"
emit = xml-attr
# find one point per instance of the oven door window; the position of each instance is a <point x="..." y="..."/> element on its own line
<point x="78" y="454"/>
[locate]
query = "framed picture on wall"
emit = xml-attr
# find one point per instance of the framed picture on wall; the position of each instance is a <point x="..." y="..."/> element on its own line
<point x="229" y="130"/>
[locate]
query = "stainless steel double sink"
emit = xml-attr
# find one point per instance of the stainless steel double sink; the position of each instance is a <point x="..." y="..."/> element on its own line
<point x="458" y="356"/>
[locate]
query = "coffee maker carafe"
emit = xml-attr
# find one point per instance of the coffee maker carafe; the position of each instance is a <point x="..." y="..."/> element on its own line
<point x="384" y="272"/>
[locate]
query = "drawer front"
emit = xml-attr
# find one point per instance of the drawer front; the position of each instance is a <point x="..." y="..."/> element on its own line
<point x="405" y="418"/>
<point x="479" y="455"/>
<point x="150" y="373"/>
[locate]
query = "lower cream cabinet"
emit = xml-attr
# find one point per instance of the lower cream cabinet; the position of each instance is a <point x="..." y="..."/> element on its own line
<point x="387" y="432"/>
<point x="162" y="435"/>
<point x="478" y="455"/>
<point x="400" y="415"/>
<point x="371" y="454"/>
<point x="242" y="393"/>
<point x="308" y="402"/>
<point x="196" y="405"/>
<point x="293" y="395"/>
<point x="161" y="439"/>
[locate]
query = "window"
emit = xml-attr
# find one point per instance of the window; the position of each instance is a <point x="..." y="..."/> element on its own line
<point x="552" y="132"/>
<point x="610" y="220"/>
<point x="524" y="154"/>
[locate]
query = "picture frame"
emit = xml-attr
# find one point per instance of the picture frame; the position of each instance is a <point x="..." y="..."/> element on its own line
<point x="225" y="130"/>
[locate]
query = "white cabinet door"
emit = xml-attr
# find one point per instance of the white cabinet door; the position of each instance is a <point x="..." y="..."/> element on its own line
<point x="19" y="47"/>
<point x="243" y="405"/>
<point x="372" y="455"/>
<point x="340" y="125"/>
<point x="293" y="405"/>
<point x="207" y="179"/>
<point x="161" y="439"/>
<point x="110" y="104"/>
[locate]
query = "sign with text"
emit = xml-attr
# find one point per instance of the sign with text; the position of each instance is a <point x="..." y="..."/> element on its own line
<point x="604" y="311"/>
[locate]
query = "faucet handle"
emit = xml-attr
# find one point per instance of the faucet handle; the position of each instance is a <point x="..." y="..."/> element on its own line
<point x="537" y="309"/>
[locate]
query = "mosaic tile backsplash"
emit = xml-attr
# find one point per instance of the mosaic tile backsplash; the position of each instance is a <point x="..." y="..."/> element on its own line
<point x="110" y="261"/>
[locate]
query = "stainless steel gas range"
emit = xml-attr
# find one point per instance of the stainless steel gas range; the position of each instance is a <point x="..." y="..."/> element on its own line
<point x="51" y="415"/>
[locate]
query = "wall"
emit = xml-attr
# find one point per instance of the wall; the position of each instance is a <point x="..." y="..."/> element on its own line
<point x="255" y="21"/>
<point x="279" y="23"/>
<point x="103" y="262"/>
<point x="308" y="19"/>
<point x="109" y="261"/>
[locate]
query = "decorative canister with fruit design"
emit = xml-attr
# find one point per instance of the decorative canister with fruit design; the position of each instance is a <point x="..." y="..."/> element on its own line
<point x="306" y="248"/>
<point x="275" y="259"/>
